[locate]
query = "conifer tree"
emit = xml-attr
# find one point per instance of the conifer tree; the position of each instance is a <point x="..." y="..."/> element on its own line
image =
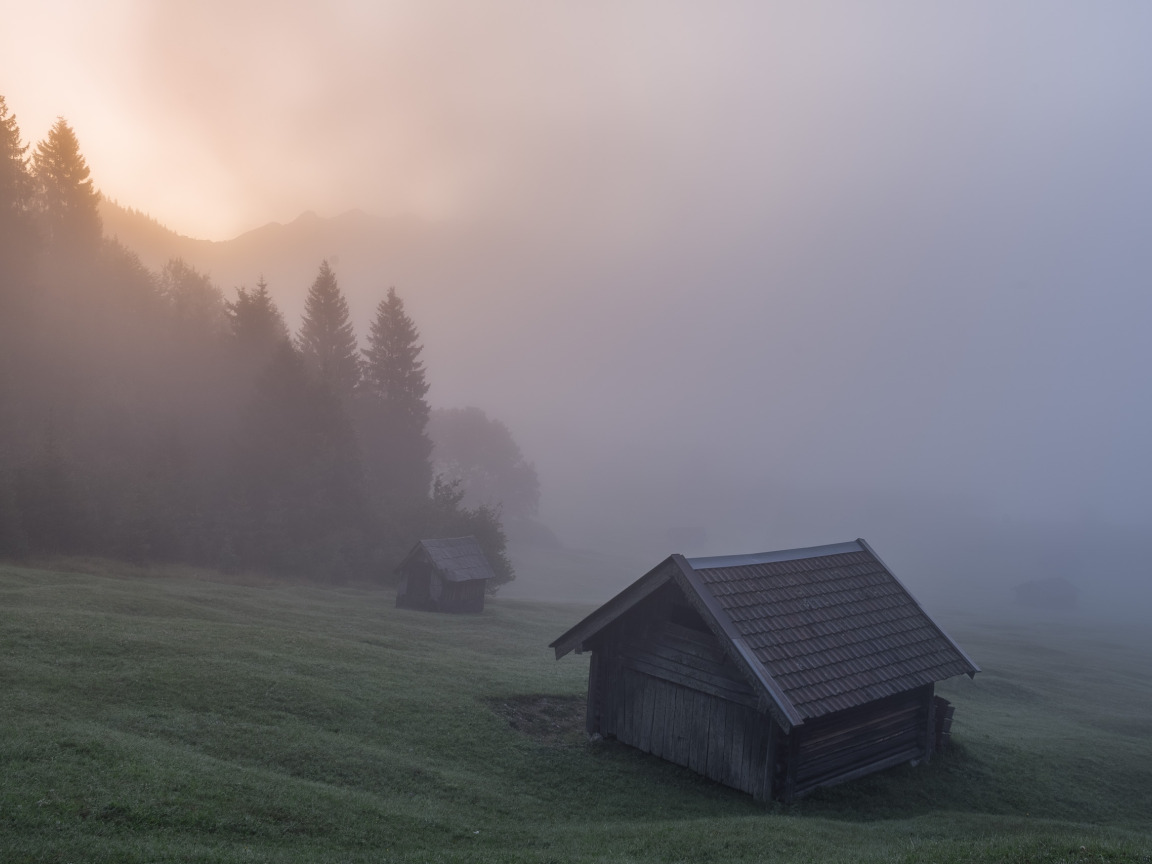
<point x="17" y="252"/>
<point x="256" y="321"/>
<point x="396" y="411"/>
<point x="326" y="339"/>
<point x="15" y="181"/>
<point x="67" y="200"/>
<point x="393" y="371"/>
<point x="15" y="208"/>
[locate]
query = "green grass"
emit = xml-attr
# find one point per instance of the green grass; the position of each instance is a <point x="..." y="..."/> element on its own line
<point x="180" y="719"/>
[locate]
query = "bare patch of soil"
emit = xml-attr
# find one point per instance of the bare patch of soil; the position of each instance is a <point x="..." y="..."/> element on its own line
<point x="555" y="720"/>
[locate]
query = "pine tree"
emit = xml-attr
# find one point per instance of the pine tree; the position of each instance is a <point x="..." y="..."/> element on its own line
<point x="15" y="208"/>
<point x="395" y="411"/>
<point x="393" y="372"/>
<point x="67" y="200"/>
<point x="15" y="181"/>
<point x="256" y="322"/>
<point x="326" y="339"/>
<point x="17" y="252"/>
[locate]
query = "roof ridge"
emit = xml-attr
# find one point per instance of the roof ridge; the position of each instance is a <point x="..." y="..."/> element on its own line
<point x="709" y="563"/>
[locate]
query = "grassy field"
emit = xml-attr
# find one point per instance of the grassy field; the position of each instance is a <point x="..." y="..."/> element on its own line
<point x="147" y="718"/>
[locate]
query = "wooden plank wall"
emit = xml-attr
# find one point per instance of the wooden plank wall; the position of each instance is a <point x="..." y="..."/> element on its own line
<point x="463" y="596"/>
<point x="691" y="658"/>
<point x="858" y="741"/>
<point x="415" y="592"/>
<point x="676" y="695"/>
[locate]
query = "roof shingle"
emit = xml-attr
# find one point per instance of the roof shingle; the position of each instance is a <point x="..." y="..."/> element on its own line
<point x="833" y="630"/>
<point x="459" y="559"/>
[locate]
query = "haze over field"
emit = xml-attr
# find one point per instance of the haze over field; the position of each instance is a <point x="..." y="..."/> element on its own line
<point x="736" y="276"/>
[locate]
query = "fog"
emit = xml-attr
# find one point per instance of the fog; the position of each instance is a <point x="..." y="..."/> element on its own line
<point x="737" y="276"/>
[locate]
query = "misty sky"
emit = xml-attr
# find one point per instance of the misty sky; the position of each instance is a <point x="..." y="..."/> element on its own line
<point x="901" y="249"/>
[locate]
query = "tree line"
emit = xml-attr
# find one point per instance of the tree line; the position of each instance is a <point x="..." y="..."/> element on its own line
<point x="145" y="416"/>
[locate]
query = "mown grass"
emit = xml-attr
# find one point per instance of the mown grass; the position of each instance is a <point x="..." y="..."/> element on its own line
<point x="179" y="719"/>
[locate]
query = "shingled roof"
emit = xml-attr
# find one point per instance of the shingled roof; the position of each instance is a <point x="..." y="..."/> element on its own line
<point x="458" y="559"/>
<point x="819" y="629"/>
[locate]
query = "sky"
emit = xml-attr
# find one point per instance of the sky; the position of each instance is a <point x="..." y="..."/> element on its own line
<point x="758" y="258"/>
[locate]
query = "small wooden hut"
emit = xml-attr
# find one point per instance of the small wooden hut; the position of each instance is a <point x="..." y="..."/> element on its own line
<point x="775" y="673"/>
<point x="445" y="575"/>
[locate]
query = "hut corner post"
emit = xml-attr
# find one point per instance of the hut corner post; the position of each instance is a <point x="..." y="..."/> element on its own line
<point x="788" y="794"/>
<point x="930" y="726"/>
<point x="766" y="789"/>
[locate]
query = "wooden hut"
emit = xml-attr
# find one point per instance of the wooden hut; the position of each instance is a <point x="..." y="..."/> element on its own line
<point x="444" y="575"/>
<point x="775" y="673"/>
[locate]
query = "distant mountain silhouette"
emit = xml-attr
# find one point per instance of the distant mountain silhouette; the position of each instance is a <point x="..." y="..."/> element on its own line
<point x="153" y="242"/>
<point x="368" y="253"/>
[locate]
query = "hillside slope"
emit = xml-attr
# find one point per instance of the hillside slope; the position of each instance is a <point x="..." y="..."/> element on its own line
<point x="163" y="719"/>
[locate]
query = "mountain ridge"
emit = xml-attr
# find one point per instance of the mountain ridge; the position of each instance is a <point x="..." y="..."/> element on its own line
<point x="368" y="252"/>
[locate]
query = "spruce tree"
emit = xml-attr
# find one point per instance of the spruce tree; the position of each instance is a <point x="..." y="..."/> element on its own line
<point x="393" y="371"/>
<point x="256" y="322"/>
<point x="395" y="410"/>
<point x="16" y="232"/>
<point x="18" y="359"/>
<point x="326" y="339"/>
<point x="68" y="202"/>
<point x="15" y="181"/>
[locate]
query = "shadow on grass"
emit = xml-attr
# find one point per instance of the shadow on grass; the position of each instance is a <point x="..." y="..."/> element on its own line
<point x="554" y="720"/>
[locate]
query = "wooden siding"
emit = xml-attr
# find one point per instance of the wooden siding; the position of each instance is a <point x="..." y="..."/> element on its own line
<point x="415" y="589"/>
<point x="669" y="690"/>
<point x="691" y="658"/>
<point x="462" y="596"/>
<point x="852" y="743"/>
